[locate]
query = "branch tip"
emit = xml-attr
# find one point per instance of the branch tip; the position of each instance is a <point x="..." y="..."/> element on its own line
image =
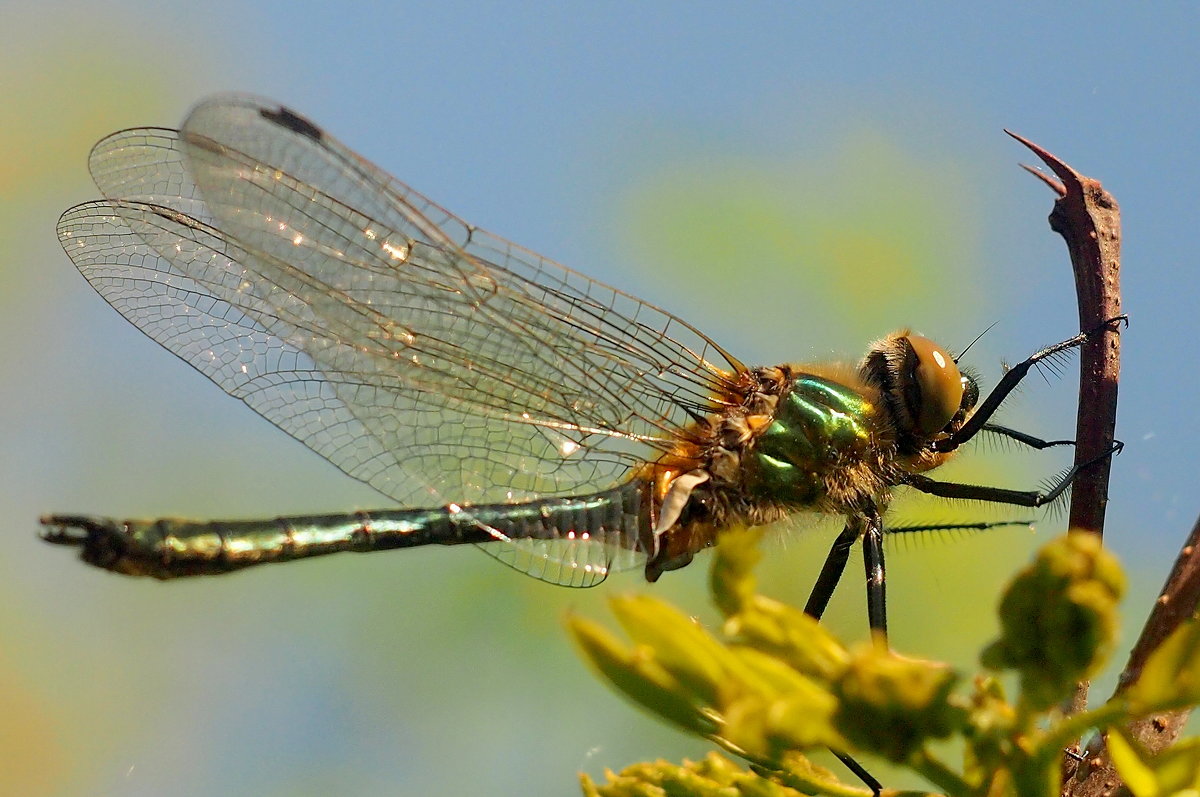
<point x="1054" y="185"/>
<point x="1069" y="176"/>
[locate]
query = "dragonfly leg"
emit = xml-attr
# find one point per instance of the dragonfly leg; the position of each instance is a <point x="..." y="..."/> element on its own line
<point x="1010" y="380"/>
<point x="872" y="541"/>
<point x="981" y="525"/>
<point x="860" y="772"/>
<point x="1001" y="495"/>
<point x="1023" y="438"/>
<point x="831" y="571"/>
<point x="867" y="527"/>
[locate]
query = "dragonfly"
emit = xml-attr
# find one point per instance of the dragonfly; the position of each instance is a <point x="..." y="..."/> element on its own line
<point x="496" y="397"/>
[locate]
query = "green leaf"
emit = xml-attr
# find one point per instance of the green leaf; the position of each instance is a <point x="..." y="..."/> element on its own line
<point x="892" y="705"/>
<point x="1171" y="676"/>
<point x="1138" y="775"/>
<point x="790" y="635"/>
<point x="799" y="772"/>
<point x="681" y="645"/>
<point x="731" y="578"/>
<point x="635" y="673"/>
<point x="768" y="726"/>
<point x="1174" y="771"/>
<point x="1058" y="618"/>
<point x="714" y="776"/>
<point x="772" y="675"/>
<point x="778" y="684"/>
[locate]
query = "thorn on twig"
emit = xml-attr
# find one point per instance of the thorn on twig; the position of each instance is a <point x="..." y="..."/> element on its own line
<point x="1088" y="219"/>
<point x="1055" y="185"/>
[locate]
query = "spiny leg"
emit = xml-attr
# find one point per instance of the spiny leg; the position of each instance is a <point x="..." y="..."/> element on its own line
<point x="831" y="571"/>
<point x="981" y="525"/>
<point x="1010" y="380"/>
<point x="822" y="591"/>
<point x="1023" y="438"/>
<point x="872" y="542"/>
<point x="868" y="527"/>
<point x="1001" y="495"/>
<point x="860" y="772"/>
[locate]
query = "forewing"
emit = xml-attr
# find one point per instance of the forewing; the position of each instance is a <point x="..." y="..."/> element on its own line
<point x="430" y="359"/>
<point x="596" y="346"/>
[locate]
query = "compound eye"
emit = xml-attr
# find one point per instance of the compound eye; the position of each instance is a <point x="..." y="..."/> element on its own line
<point x="940" y="384"/>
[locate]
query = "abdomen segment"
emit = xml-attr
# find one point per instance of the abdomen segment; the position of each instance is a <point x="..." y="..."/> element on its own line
<point x="169" y="548"/>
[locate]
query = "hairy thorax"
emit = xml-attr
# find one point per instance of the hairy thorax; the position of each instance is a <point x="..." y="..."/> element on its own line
<point x="803" y="438"/>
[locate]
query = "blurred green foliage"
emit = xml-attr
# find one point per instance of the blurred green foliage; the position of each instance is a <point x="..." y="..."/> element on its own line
<point x="773" y="685"/>
<point x="852" y="235"/>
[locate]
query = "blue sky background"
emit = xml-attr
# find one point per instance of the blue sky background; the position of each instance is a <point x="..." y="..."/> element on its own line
<point x="793" y="178"/>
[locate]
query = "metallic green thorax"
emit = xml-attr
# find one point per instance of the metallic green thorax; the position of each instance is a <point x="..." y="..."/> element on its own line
<point x="819" y="425"/>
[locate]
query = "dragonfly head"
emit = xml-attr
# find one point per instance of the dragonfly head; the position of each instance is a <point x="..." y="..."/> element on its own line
<point x="922" y="388"/>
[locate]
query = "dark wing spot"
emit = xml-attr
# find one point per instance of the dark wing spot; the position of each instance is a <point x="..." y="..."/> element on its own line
<point x="294" y="122"/>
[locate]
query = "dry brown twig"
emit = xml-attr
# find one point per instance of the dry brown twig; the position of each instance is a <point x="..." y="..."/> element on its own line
<point x="1089" y="220"/>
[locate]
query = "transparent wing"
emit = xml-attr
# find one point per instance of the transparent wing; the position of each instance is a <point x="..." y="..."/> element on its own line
<point x="425" y="357"/>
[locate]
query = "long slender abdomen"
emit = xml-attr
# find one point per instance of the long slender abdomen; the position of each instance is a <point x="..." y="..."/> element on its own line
<point x="170" y="548"/>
